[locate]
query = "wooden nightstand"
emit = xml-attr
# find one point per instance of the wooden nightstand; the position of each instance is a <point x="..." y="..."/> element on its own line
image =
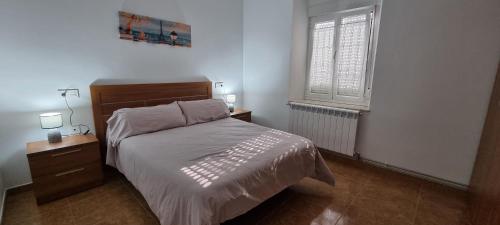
<point x="242" y="114"/>
<point x="64" y="168"/>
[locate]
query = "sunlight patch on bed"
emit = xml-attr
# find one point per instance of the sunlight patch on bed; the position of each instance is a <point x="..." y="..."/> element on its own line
<point x="212" y="168"/>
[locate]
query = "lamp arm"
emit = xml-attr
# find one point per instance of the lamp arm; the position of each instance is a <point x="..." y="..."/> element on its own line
<point x="65" y="91"/>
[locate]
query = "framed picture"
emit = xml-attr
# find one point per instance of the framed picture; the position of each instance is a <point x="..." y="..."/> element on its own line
<point x="146" y="29"/>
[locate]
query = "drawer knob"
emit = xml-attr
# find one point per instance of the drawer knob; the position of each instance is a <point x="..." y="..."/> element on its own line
<point x="70" y="172"/>
<point x="66" y="153"/>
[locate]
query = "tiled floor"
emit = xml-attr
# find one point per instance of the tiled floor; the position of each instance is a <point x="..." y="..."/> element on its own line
<point x="364" y="195"/>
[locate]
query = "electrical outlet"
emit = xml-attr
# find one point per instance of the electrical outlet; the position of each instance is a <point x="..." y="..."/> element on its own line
<point x="219" y="84"/>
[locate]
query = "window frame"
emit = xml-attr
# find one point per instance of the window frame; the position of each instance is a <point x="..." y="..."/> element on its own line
<point x="366" y="83"/>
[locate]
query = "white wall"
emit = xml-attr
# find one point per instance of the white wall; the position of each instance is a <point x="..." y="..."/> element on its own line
<point x="51" y="44"/>
<point x="318" y="7"/>
<point x="267" y="47"/>
<point x="298" y="63"/>
<point x="434" y="70"/>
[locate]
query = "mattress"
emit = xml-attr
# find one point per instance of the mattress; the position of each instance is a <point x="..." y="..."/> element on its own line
<point x="208" y="173"/>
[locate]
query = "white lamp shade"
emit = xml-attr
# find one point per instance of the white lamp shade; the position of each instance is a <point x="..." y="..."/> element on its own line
<point x="231" y="99"/>
<point x="51" y="120"/>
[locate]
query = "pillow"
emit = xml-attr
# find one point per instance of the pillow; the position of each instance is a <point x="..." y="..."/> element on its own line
<point x="202" y="111"/>
<point x="134" y="121"/>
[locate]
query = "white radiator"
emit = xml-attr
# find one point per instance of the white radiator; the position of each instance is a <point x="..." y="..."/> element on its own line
<point x="329" y="128"/>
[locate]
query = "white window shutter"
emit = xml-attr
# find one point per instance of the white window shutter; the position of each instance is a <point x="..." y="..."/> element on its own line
<point x="340" y="57"/>
<point x="322" y="64"/>
<point x="352" y="56"/>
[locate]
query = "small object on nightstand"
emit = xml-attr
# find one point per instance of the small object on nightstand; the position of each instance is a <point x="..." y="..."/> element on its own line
<point x="64" y="168"/>
<point x="242" y="114"/>
<point x="230" y="100"/>
<point x="52" y="122"/>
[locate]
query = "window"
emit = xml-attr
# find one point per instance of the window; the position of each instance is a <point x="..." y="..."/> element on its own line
<point x="340" y="57"/>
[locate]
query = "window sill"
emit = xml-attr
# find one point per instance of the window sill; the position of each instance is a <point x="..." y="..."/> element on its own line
<point x="360" y="108"/>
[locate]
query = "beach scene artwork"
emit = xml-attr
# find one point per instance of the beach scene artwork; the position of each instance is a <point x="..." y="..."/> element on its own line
<point x="146" y="29"/>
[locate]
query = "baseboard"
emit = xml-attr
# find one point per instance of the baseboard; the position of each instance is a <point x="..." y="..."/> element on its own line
<point x="9" y="191"/>
<point x="19" y="188"/>
<point x="2" y="206"/>
<point x="400" y="170"/>
<point x="417" y="175"/>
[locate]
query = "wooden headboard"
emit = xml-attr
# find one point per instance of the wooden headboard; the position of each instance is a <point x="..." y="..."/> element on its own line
<point x="107" y="98"/>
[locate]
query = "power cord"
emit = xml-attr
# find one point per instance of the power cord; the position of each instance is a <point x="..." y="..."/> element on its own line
<point x="71" y="117"/>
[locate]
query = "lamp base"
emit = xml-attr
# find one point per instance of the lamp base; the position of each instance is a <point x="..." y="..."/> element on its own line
<point x="54" y="136"/>
<point x="231" y="107"/>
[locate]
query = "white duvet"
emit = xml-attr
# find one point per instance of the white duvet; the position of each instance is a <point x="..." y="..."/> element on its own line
<point x="208" y="173"/>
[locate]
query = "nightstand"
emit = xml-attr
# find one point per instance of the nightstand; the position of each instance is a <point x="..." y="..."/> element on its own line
<point x="242" y="114"/>
<point x="64" y="168"/>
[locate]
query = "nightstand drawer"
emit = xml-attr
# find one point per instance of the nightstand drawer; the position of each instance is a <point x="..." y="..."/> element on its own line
<point x="245" y="117"/>
<point x="60" y="160"/>
<point x="64" y="168"/>
<point x="67" y="182"/>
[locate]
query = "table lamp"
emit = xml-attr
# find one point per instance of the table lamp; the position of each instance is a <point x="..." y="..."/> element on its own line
<point x="230" y="100"/>
<point x="52" y="122"/>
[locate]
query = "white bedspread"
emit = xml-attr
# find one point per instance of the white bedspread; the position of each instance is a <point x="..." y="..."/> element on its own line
<point x="208" y="173"/>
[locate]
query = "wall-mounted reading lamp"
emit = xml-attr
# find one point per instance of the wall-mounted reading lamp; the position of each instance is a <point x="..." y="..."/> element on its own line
<point x="75" y="91"/>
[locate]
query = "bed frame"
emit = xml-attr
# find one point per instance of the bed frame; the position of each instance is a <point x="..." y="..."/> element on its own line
<point x="107" y="98"/>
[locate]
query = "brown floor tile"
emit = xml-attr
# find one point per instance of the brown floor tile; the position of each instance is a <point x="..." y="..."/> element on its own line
<point x="307" y="210"/>
<point x="371" y="211"/>
<point x="444" y="196"/>
<point x="261" y="214"/>
<point x="343" y="166"/>
<point x="363" y="195"/>
<point x="442" y="205"/>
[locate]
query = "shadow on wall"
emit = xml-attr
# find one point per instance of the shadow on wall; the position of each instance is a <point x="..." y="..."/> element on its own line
<point x="18" y="128"/>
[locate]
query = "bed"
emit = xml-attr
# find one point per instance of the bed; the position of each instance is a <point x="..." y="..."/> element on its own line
<point x="207" y="173"/>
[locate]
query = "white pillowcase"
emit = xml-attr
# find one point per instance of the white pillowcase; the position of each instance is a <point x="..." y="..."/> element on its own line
<point x="202" y="111"/>
<point x="134" y="121"/>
